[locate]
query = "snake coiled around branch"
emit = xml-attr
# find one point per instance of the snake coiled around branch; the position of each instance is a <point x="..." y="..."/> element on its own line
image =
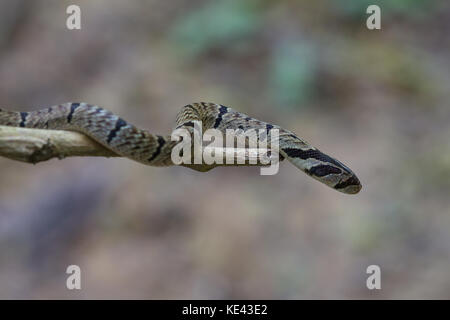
<point x="140" y="145"/>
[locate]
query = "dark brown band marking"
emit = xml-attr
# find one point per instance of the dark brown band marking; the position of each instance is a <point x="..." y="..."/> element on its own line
<point x="352" y="181"/>
<point x="323" y="170"/>
<point x="188" y="124"/>
<point x="112" y="134"/>
<point x="222" y="111"/>
<point x="314" y="154"/>
<point x="23" y="117"/>
<point x="161" y="142"/>
<point x="73" y="106"/>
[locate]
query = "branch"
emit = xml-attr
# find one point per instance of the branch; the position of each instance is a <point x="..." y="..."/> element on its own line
<point x="36" y="145"/>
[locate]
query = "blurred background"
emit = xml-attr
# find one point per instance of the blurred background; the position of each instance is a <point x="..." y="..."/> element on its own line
<point x="377" y="100"/>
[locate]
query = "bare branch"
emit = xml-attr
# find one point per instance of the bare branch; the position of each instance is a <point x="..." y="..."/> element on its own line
<point x="36" y="145"/>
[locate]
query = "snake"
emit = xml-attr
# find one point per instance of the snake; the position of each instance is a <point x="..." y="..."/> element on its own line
<point x="127" y="140"/>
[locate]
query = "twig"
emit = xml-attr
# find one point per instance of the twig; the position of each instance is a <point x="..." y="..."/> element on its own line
<point x="36" y="145"/>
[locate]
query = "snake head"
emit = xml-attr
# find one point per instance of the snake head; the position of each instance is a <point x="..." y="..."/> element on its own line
<point x="350" y="184"/>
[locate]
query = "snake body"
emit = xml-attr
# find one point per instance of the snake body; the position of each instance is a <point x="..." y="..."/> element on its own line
<point x="140" y="145"/>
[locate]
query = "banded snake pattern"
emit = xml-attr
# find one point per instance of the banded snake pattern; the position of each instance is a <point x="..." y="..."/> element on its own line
<point x="140" y="145"/>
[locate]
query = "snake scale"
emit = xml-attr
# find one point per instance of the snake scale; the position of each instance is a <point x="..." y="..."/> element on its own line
<point x="140" y="145"/>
